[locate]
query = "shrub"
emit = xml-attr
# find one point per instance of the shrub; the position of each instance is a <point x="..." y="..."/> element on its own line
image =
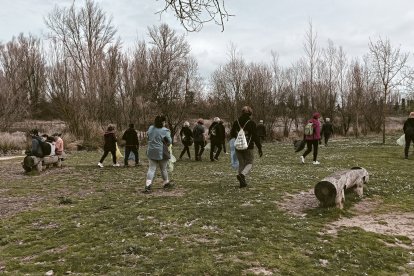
<point x="13" y="142"/>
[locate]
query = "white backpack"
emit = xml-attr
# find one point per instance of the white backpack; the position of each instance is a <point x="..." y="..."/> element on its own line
<point x="241" y="141"/>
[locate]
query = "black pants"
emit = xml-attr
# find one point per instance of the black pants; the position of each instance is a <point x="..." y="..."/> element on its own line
<point x="128" y="150"/>
<point x="106" y="153"/>
<point x="215" y="145"/>
<point x="408" y="140"/>
<point x="309" y="144"/>
<point x="186" y="149"/>
<point x="199" y="149"/>
<point x="224" y="146"/>
<point x="327" y="136"/>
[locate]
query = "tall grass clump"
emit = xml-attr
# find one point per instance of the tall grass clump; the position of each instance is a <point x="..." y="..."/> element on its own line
<point x="12" y="142"/>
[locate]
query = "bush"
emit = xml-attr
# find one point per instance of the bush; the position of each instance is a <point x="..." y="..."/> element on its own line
<point x="16" y="141"/>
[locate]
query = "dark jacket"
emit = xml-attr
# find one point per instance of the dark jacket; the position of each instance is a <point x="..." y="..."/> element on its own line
<point x="261" y="130"/>
<point x="110" y="141"/>
<point x="36" y="147"/>
<point x="327" y="128"/>
<point x="217" y="132"/>
<point x="198" y="133"/>
<point x="249" y="130"/>
<point x="131" y="137"/>
<point x="186" y="136"/>
<point x="409" y="127"/>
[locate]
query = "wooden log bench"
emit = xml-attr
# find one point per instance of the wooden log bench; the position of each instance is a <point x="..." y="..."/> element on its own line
<point x="36" y="163"/>
<point x="330" y="191"/>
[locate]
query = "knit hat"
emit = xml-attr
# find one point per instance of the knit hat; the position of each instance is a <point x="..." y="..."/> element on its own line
<point x="411" y="115"/>
<point x="216" y="119"/>
<point x="261" y="121"/>
<point x="327" y="119"/>
<point x="316" y="115"/>
<point x="186" y="124"/>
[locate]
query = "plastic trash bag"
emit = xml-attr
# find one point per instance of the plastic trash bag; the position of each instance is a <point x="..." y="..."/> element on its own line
<point x="401" y="140"/>
<point x="233" y="157"/>
<point x="118" y="153"/>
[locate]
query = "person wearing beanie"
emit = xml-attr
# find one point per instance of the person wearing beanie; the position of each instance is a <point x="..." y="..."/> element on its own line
<point x="246" y="157"/>
<point x="409" y="133"/>
<point x="327" y="130"/>
<point x="131" y="144"/>
<point x="187" y="139"/>
<point x="312" y="140"/>
<point x="199" y="139"/>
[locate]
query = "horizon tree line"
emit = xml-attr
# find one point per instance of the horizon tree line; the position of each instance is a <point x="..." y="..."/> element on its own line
<point x="80" y="74"/>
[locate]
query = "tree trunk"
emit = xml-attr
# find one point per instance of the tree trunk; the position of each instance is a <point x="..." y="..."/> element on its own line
<point x="330" y="191"/>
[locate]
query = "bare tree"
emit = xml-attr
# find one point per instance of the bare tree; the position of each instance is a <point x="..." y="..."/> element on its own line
<point x="388" y="63"/>
<point x="312" y="54"/>
<point x="194" y="13"/>
<point x="86" y="39"/>
<point x="22" y="69"/>
<point x="170" y="70"/>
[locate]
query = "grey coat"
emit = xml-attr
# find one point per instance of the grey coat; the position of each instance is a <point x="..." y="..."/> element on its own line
<point x="155" y="141"/>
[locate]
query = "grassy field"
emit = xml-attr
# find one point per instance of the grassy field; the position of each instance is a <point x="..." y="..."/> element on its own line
<point x="82" y="220"/>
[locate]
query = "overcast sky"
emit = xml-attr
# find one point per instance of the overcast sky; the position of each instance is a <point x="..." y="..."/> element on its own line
<point x="258" y="26"/>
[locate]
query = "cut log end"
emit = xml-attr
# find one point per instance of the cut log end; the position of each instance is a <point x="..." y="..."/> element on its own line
<point x="325" y="192"/>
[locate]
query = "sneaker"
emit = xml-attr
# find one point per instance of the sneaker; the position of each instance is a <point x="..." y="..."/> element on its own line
<point x="100" y="165"/>
<point x="147" y="190"/>
<point x="116" y="165"/>
<point x="168" y="185"/>
<point x="302" y="159"/>
<point x="242" y="180"/>
<point x="316" y="162"/>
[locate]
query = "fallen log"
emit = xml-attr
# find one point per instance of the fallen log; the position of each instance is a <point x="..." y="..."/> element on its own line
<point x="36" y="163"/>
<point x="330" y="191"/>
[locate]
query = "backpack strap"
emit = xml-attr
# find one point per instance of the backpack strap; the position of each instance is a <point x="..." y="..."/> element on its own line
<point x="244" y="124"/>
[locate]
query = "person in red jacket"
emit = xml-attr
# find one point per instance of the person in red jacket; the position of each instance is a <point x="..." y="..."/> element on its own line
<point x="312" y="140"/>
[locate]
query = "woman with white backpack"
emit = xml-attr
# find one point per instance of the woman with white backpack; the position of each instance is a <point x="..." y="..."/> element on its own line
<point x="244" y="131"/>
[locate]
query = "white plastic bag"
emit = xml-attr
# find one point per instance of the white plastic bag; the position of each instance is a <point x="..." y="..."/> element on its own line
<point x="401" y="140"/>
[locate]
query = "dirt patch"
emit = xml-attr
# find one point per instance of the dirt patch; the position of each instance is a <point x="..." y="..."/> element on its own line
<point x="13" y="205"/>
<point x="297" y="204"/>
<point x="392" y="224"/>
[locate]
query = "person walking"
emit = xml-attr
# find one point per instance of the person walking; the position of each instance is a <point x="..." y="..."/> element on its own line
<point x="223" y="142"/>
<point x="199" y="139"/>
<point x="409" y="133"/>
<point x="159" y="138"/>
<point x="261" y="131"/>
<point x="131" y="144"/>
<point x="217" y="135"/>
<point x="312" y="136"/>
<point x="187" y="139"/>
<point x="109" y="146"/>
<point x="246" y="156"/>
<point x="327" y="130"/>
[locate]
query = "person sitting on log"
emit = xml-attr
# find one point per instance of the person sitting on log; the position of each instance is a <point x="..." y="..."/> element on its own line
<point x="58" y="143"/>
<point x="36" y="144"/>
<point x="48" y="145"/>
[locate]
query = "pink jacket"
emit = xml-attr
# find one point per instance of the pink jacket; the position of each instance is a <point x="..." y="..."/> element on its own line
<point x="316" y="130"/>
